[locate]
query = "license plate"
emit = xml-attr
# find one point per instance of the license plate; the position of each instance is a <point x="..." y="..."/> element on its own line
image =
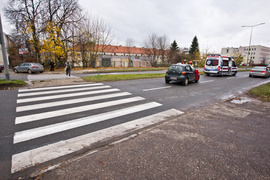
<point x="173" y="78"/>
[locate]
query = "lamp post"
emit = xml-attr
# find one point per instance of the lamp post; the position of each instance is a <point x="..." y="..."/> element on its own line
<point x="250" y="39"/>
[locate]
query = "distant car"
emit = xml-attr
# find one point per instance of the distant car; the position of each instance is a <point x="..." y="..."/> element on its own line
<point x="259" y="71"/>
<point x="1" y="68"/>
<point x="183" y="73"/>
<point x="29" y="68"/>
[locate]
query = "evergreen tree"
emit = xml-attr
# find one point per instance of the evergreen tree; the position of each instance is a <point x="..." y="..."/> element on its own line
<point x="174" y="46"/>
<point x="194" y="48"/>
<point x="174" y="53"/>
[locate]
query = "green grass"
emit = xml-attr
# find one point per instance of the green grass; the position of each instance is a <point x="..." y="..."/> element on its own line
<point x="127" y="70"/>
<point x="11" y="84"/>
<point x="262" y="92"/>
<point x="122" y="77"/>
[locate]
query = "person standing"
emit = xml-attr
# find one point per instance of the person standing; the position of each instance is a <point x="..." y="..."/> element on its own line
<point x="52" y="65"/>
<point x="68" y="68"/>
<point x="42" y="63"/>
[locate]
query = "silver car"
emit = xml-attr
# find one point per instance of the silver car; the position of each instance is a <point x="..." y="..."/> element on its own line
<point x="29" y="68"/>
<point x="259" y="71"/>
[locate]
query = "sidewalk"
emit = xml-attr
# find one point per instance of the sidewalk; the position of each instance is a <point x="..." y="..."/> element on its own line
<point x="222" y="141"/>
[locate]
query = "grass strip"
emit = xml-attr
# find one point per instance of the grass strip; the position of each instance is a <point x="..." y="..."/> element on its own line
<point x="122" y="77"/>
<point x="12" y="82"/>
<point x="262" y="92"/>
<point x="126" y="70"/>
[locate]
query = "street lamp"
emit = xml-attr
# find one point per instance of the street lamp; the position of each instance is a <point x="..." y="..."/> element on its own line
<point x="250" y="39"/>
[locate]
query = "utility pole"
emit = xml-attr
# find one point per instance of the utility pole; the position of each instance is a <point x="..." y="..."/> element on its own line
<point x="6" y="68"/>
<point x="250" y="40"/>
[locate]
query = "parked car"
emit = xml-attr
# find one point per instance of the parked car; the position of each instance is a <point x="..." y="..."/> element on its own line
<point x="268" y="67"/>
<point x="1" y="68"/>
<point x="29" y="68"/>
<point x="183" y="73"/>
<point x="259" y="71"/>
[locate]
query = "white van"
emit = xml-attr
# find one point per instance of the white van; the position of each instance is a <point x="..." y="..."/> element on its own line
<point x="220" y="65"/>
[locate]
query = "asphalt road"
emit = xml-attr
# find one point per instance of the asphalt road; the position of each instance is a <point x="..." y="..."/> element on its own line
<point x="38" y="129"/>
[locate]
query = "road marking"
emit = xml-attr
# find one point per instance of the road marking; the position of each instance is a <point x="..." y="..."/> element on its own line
<point x="65" y="95"/>
<point x="153" y="89"/>
<point x="45" y="115"/>
<point x="59" y="127"/>
<point x="59" y="87"/>
<point x="58" y="149"/>
<point x="206" y="81"/>
<point x="231" y="78"/>
<point x="68" y="102"/>
<point x="62" y="91"/>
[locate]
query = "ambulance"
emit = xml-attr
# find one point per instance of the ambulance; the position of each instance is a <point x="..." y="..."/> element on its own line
<point x="220" y="65"/>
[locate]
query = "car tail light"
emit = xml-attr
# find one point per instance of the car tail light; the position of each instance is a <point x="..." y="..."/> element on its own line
<point x="263" y="72"/>
<point x="183" y="73"/>
<point x="218" y="68"/>
<point x="167" y="72"/>
<point x="204" y="67"/>
<point x="34" y="66"/>
<point x="251" y="71"/>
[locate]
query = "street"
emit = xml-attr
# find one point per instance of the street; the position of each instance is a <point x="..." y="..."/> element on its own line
<point x="47" y="125"/>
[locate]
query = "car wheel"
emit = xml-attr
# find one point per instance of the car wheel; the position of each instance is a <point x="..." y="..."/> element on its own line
<point x="250" y="76"/>
<point x="208" y="74"/>
<point x="185" y="83"/>
<point x="41" y="71"/>
<point x="167" y="81"/>
<point x="29" y="71"/>
<point x="15" y="70"/>
<point x="234" y="73"/>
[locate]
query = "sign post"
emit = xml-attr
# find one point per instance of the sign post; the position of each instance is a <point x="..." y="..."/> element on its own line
<point x="6" y="68"/>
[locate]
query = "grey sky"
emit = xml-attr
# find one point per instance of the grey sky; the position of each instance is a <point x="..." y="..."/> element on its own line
<point x="216" y="23"/>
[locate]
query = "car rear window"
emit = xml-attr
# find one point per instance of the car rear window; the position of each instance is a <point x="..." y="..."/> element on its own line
<point x="175" y="67"/>
<point x="212" y="62"/>
<point x="225" y="63"/>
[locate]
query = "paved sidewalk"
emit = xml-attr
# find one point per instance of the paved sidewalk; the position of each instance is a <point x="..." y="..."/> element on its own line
<point x="222" y="141"/>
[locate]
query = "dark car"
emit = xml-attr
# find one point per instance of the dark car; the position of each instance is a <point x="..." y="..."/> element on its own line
<point x="29" y="68"/>
<point x="1" y="68"/>
<point x="183" y="73"/>
<point x="259" y="71"/>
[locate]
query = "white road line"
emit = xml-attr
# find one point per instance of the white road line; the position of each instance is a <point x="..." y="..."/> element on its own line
<point x="206" y="81"/>
<point x="60" y="87"/>
<point x="40" y="116"/>
<point x="231" y="78"/>
<point x="59" y="127"/>
<point x="62" y="91"/>
<point x="68" y="102"/>
<point x="35" y="99"/>
<point x="55" y="150"/>
<point x="158" y="88"/>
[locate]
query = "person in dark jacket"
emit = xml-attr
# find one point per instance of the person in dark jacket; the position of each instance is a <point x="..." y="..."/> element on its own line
<point x="68" y="68"/>
<point x="52" y="65"/>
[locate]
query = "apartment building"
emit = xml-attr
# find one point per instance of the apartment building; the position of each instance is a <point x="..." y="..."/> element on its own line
<point x="257" y="54"/>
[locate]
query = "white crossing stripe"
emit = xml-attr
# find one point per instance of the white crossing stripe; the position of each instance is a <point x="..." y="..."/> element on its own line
<point x="72" y="101"/>
<point x="59" y="87"/>
<point x="158" y="88"/>
<point x="206" y="81"/>
<point x="59" y="127"/>
<point x="65" y="95"/>
<point x="40" y="116"/>
<point x="62" y="91"/>
<point x="58" y="149"/>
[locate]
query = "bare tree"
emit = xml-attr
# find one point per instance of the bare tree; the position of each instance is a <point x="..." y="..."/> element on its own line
<point x="152" y="48"/>
<point x="162" y="44"/>
<point x="26" y="16"/>
<point x="129" y="45"/>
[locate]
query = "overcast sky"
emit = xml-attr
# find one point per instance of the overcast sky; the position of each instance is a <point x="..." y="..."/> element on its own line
<point x="216" y="23"/>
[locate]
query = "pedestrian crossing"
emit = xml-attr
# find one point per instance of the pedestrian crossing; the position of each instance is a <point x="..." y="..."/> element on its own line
<point x="53" y="122"/>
